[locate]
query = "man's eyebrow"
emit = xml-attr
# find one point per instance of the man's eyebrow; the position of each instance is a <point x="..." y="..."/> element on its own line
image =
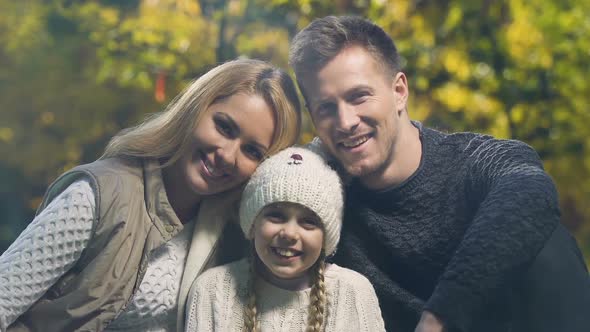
<point x="352" y="90"/>
<point x="358" y="88"/>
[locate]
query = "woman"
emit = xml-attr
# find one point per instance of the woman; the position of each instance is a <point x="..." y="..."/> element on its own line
<point x="117" y="243"/>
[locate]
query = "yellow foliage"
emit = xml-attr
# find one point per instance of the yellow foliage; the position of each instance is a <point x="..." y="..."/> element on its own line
<point x="525" y="41"/>
<point x="109" y="16"/>
<point x="47" y="118"/>
<point x="500" y="128"/>
<point x="419" y="109"/>
<point x="454" y="17"/>
<point x="455" y="62"/>
<point x="6" y="134"/>
<point x="422" y="33"/>
<point x="265" y="42"/>
<point x="454" y="96"/>
<point x="517" y="113"/>
<point x="458" y="98"/>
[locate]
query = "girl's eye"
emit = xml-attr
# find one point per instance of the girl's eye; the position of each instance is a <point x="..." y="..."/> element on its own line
<point x="310" y="223"/>
<point x="253" y="152"/>
<point x="274" y="216"/>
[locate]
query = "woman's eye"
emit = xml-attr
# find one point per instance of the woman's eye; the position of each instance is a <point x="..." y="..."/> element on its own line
<point x="223" y="127"/>
<point x="254" y="152"/>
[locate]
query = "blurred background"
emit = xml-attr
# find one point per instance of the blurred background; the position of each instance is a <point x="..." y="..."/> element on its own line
<point x="73" y="73"/>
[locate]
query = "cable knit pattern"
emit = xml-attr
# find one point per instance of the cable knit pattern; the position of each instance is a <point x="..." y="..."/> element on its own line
<point x="154" y="304"/>
<point x="452" y="235"/>
<point x="45" y="250"/>
<point x="218" y="299"/>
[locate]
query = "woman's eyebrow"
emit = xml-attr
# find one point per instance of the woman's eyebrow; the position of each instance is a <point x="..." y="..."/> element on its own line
<point x="260" y="146"/>
<point x="229" y="121"/>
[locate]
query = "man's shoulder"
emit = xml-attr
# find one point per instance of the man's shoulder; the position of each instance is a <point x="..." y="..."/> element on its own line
<point x="474" y="141"/>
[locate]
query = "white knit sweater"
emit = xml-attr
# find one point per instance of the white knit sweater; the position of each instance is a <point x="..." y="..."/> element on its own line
<point x="218" y="299"/>
<point x="45" y="250"/>
<point x="54" y="241"/>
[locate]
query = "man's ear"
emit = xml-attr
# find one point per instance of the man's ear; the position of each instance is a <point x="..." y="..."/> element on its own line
<point x="401" y="91"/>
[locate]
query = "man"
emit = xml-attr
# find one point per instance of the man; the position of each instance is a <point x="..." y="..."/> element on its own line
<point x="457" y="232"/>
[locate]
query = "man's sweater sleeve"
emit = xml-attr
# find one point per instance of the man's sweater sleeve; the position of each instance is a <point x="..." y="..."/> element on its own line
<point x="45" y="250"/>
<point x="518" y="211"/>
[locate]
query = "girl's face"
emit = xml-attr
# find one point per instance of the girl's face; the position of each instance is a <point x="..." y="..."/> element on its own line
<point x="288" y="239"/>
<point x="228" y="144"/>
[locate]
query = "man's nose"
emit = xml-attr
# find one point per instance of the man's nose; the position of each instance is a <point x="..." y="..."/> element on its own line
<point x="348" y="119"/>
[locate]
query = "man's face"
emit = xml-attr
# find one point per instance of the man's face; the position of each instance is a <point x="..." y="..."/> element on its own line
<point x="356" y="107"/>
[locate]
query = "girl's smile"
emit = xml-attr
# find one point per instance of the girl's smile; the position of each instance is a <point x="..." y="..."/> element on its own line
<point x="288" y="239"/>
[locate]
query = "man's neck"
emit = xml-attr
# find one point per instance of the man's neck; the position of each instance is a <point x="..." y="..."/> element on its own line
<point x="404" y="163"/>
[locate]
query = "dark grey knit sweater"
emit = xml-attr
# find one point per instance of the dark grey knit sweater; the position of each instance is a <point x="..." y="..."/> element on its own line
<point x="451" y="237"/>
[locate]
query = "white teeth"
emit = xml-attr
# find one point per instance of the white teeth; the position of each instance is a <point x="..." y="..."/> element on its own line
<point x="356" y="142"/>
<point x="211" y="169"/>
<point x="285" y="252"/>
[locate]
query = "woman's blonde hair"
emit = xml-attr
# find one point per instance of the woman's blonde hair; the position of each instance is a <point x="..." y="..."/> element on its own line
<point x="166" y="135"/>
<point x="317" y="304"/>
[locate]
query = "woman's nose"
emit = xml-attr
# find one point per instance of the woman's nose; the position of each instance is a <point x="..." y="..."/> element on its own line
<point x="226" y="155"/>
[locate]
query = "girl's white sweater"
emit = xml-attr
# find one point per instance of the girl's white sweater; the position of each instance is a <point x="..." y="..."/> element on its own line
<point x="218" y="299"/>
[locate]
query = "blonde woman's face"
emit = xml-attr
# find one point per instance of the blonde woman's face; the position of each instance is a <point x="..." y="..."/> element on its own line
<point x="228" y="144"/>
<point x="288" y="239"/>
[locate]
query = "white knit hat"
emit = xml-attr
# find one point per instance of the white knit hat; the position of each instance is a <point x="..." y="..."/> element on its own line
<point x="296" y="175"/>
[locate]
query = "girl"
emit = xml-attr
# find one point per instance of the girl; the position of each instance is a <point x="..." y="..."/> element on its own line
<point x="291" y="211"/>
<point x="108" y="247"/>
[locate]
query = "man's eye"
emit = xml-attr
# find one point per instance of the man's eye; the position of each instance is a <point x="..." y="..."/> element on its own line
<point x="325" y="109"/>
<point x="358" y="98"/>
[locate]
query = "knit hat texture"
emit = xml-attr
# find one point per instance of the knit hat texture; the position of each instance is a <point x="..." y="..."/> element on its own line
<point x="296" y="175"/>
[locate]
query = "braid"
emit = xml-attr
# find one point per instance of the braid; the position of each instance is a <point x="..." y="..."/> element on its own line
<point x="250" y="312"/>
<point x="318" y="298"/>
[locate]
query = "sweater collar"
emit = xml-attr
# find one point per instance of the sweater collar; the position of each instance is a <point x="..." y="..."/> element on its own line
<point x="428" y="140"/>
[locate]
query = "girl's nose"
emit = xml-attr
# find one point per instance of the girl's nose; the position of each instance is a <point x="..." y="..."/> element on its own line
<point x="289" y="231"/>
